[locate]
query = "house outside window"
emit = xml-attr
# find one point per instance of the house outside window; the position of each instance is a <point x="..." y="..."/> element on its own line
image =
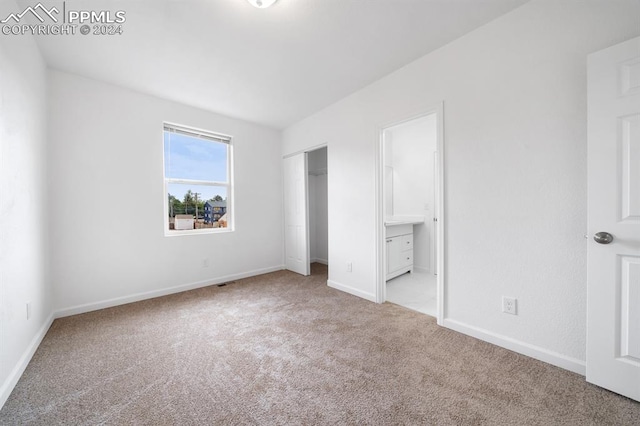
<point x="197" y="181"/>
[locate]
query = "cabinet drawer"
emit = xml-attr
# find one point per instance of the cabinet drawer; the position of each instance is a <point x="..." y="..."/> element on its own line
<point x="406" y="258"/>
<point x="407" y="242"/>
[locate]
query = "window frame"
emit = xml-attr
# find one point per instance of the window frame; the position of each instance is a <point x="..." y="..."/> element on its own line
<point x="229" y="185"/>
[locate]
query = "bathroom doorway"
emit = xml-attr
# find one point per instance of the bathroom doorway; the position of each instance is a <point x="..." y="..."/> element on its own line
<point x="410" y="214"/>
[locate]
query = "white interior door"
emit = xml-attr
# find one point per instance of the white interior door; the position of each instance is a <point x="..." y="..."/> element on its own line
<point x="295" y="214"/>
<point x="613" y="303"/>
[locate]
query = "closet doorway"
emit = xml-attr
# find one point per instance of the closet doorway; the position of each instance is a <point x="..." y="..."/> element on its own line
<point x="318" y="212"/>
<point x="306" y="212"/>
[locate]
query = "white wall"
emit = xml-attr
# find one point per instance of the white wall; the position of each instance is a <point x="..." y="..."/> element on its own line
<point x="413" y="145"/>
<point x="318" y="213"/>
<point x="515" y="165"/>
<point x="24" y="204"/>
<point x="106" y="163"/>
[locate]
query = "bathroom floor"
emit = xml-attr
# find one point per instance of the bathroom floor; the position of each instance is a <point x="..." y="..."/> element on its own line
<point x="415" y="291"/>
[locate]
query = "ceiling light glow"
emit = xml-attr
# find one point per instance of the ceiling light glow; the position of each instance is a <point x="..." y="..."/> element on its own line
<point x="261" y="4"/>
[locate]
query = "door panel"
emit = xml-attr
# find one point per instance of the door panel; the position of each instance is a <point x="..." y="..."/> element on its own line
<point x="630" y="165"/>
<point x="394" y="254"/>
<point x="630" y="308"/>
<point x="613" y="269"/>
<point x="296" y="215"/>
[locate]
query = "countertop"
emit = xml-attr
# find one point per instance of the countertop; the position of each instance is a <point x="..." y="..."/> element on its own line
<point x="403" y="220"/>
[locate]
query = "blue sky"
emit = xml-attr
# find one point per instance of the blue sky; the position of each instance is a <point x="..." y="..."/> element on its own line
<point x="192" y="158"/>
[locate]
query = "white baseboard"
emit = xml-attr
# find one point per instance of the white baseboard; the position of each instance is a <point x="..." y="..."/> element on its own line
<point x="347" y="289"/>
<point x="421" y="269"/>
<point x="318" y="260"/>
<point x="545" y="355"/>
<point x="16" y="373"/>
<point x="94" y="306"/>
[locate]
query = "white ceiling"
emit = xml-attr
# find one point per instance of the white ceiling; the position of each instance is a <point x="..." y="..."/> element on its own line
<point x="270" y="66"/>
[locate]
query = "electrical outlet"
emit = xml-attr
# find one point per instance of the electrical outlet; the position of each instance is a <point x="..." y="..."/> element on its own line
<point x="349" y="266"/>
<point x="510" y="305"/>
<point x="205" y="263"/>
<point x="28" y="310"/>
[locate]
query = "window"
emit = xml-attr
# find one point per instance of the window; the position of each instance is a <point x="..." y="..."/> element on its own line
<point x="197" y="181"/>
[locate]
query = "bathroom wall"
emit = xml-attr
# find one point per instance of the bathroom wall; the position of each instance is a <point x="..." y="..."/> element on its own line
<point x="388" y="172"/>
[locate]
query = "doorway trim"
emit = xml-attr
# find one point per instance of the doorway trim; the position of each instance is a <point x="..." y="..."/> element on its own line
<point x="439" y="210"/>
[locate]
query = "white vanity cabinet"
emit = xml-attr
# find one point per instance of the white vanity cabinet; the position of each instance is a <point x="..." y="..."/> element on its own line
<point x="399" y="244"/>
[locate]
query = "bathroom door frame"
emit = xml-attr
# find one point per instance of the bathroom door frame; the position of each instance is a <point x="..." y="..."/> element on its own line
<point x="439" y="218"/>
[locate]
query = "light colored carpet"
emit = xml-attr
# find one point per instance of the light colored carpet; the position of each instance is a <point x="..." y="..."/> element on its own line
<point x="285" y="349"/>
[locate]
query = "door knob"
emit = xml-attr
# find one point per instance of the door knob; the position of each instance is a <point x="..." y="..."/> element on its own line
<point x="603" y="238"/>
